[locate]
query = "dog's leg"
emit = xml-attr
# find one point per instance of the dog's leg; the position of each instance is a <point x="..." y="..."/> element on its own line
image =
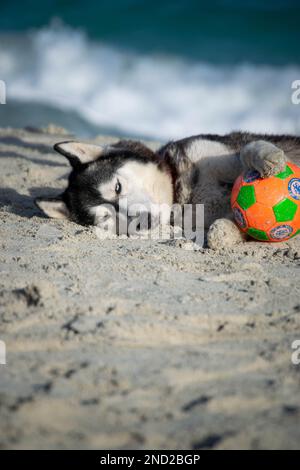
<point x="259" y="155"/>
<point x="224" y="233"/>
<point x="264" y="157"/>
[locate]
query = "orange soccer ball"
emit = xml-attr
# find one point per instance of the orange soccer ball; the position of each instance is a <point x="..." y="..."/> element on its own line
<point x="268" y="209"/>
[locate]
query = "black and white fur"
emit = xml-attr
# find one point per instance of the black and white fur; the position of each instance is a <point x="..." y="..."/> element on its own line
<point x="196" y="170"/>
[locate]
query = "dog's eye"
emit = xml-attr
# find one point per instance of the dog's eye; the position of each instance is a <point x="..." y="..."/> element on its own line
<point x="118" y="187"/>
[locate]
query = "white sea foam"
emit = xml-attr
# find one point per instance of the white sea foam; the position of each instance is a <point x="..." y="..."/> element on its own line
<point x="154" y="96"/>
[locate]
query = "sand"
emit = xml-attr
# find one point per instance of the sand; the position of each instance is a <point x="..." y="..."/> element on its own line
<point x="137" y="344"/>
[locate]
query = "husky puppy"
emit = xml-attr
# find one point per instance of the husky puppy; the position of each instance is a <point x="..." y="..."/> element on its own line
<point x="196" y="170"/>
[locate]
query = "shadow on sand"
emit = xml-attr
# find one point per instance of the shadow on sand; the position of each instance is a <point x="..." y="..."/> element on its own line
<point x="23" y="205"/>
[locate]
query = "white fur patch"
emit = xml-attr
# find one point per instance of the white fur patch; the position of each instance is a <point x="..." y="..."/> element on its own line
<point x="202" y="148"/>
<point x="140" y="183"/>
<point x="144" y="185"/>
<point x="150" y="179"/>
<point x="216" y="161"/>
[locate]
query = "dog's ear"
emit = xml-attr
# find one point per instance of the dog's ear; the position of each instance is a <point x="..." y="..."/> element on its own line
<point x="54" y="207"/>
<point x="79" y="153"/>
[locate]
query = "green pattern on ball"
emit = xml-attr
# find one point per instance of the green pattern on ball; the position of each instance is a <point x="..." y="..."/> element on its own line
<point x="297" y="233"/>
<point x="285" y="210"/>
<point x="246" y="197"/>
<point x="285" y="173"/>
<point x="258" y="234"/>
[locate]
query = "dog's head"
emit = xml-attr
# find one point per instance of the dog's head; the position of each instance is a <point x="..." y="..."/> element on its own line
<point x="108" y="182"/>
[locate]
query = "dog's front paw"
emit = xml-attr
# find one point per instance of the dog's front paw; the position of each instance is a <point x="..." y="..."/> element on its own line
<point x="223" y="233"/>
<point x="263" y="157"/>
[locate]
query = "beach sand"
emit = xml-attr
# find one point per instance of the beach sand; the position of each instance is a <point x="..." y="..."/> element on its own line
<point x="135" y="343"/>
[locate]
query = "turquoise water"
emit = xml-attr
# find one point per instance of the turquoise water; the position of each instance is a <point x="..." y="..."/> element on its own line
<point x="219" y="31"/>
<point x="157" y="69"/>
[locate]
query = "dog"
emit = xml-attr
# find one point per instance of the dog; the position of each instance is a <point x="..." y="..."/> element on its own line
<point x="195" y="170"/>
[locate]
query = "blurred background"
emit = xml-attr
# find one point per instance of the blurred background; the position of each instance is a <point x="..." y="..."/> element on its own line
<point x="159" y="69"/>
